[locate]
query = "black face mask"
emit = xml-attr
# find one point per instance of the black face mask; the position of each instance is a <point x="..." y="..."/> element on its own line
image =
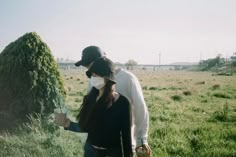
<point x="89" y="74"/>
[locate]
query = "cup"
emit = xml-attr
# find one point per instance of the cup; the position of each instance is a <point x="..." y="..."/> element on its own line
<point x="60" y="116"/>
<point x="141" y="152"/>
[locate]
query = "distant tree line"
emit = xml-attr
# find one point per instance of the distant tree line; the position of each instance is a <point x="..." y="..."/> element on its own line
<point x="217" y="62"/>
<point x="130" y="64"/>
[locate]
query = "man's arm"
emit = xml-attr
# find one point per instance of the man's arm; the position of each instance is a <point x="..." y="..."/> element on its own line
<point x="141" y="115"/>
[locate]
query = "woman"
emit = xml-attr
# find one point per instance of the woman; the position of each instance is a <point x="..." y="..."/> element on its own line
<point x="105" y="114"/>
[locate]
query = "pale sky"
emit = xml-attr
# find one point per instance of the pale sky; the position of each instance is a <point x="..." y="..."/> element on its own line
<point x="179" y="30"/>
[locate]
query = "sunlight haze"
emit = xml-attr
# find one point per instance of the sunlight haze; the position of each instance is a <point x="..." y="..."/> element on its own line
<point x="176" y="30"/>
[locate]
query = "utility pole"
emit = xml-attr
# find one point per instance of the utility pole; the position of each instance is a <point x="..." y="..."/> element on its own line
<point x="226" y="57"/>
<point x="200" y="62"/>
<point x="160" y="60"/>
<point x="200" y="56"/>
<point x="158" y="64"/>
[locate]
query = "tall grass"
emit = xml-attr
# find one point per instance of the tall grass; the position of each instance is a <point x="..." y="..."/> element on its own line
<point x="186" y="119"/>
<point x="40" y="138"/>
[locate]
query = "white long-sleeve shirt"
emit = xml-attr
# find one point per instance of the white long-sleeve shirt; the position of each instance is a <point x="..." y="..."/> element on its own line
<point x="128" y="85"/>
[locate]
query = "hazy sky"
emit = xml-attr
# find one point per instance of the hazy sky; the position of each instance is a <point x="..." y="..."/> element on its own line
<point x="179" y="30"/>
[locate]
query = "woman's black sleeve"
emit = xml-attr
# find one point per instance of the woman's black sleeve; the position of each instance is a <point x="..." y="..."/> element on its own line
<point x="126" y="130"/>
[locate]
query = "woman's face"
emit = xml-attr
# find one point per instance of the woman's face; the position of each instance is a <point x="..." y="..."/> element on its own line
<point x="97" y="81"/>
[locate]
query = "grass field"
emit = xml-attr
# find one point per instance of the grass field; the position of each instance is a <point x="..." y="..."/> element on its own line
<point x="192" y="114"/>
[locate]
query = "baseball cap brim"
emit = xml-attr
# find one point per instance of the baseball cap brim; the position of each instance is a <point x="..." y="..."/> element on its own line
<point x="79" y="63"/>
<point x="83" y="63"/>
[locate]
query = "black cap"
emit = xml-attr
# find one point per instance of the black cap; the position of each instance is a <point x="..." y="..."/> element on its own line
<point x="90" y="54"/>
<point x="103" y="67"/>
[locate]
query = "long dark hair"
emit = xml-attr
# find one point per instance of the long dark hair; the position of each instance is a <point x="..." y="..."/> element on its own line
<point x="91" y="111"/>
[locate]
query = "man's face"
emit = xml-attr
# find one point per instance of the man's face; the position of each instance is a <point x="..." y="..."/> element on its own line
<point x="88" y="67"/>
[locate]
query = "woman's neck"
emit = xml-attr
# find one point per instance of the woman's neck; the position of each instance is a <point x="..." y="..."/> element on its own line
<point x="100" y="93"/>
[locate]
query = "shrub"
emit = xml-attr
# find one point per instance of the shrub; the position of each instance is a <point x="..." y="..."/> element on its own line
<point x="145" y="88"/>
<point x="187" y="93"/>
<point x="201" y="82"/>
<point x="77" y="100"/>
<point x="69" y="88"/>
<point x="30" y="81"/>
<point x="215" y="86"/>
<point x="222" y="115"/>
<point x="204" y="101"/>
<point x="174" y="88"/>
<point x="79" y="93"/>
<point x="234" y="63"/>
<point x="176" y="97"/>
<point x="221" y="95"/>
<point x="153" y="88"/>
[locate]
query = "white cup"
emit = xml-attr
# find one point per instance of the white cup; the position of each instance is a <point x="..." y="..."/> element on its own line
<point x="60" y="116"/>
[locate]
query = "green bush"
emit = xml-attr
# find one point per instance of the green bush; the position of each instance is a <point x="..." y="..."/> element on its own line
<point x="176" y="98"/>
<point x="30" y="81"/>
<point x="145" y="88"/>
<point x="215" y="86"/>
<point x="153" y="88"/>
<point x="187" y="93"/>
<point x="221" y="95"/>
<point x="234" y="63"/>
<point x="222" y="115"/>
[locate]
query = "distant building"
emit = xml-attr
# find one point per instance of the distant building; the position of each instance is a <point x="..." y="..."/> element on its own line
<point x="71" y="66"/>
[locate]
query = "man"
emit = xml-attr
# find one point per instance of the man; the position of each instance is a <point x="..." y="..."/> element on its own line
<point x="128" y="85"/>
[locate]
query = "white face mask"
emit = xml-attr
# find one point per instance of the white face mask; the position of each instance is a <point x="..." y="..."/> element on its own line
<point x="97" y="82"/>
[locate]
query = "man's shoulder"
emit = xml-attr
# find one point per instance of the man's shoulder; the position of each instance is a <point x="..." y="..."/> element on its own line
<point x="126" y="73"/>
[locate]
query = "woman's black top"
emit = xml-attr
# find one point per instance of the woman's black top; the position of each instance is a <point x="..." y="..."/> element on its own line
<point x="114" y="129"/>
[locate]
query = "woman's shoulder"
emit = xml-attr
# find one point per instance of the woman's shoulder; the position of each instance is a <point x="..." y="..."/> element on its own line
<point x="123" y="99"/>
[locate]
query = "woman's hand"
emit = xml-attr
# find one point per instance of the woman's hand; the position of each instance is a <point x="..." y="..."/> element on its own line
<point x="67" y="123"/>
<point x="143" y="151"/>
